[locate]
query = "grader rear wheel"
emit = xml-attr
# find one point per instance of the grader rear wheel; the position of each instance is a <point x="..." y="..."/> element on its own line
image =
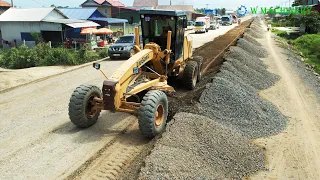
<point x="81" y="106"/>
<point x="199" y="60"/>
<point x="153" y="114"/>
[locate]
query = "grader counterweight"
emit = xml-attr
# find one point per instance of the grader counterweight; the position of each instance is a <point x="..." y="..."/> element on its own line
<point x="140" y="85"/>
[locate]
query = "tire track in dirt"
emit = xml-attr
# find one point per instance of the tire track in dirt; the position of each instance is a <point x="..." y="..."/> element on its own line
<point x="111" y="161"/>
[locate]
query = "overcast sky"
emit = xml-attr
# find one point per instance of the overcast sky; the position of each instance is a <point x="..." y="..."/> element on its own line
<point x="229" y="4"/>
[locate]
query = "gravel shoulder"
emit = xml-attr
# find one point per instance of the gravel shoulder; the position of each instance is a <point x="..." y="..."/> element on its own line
<point x="294" y="153"/>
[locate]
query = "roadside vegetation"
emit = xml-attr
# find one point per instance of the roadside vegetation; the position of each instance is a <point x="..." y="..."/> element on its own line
<point x="43" y="55"/>
<point x="309" y="43"/>
<point x="309" y="46"/>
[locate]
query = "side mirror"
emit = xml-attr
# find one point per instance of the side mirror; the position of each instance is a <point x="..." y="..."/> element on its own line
<point x="96" y="66"/>
<point x="185" y="22"/>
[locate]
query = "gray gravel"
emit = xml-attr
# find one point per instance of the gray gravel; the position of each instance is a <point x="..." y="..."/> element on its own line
<point x="253" y="49"/>
<point x="253" y="33"/>
<point x="196" y="147"/>
<point x="229" y="103"/>
<point x="258" y="78"/>
<point x="251" y="39"/>
<point x="245" y="57"/>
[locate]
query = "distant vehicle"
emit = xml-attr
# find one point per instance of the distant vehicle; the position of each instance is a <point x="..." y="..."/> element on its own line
<point x="226" y="20"/>
<point x="234" y="18"/>
<point x="190" y="25"/>
<point x="214" y="25"/>
<point x="219" y="20"/>
<point x="123" y="47"/>
<point x="202" y="24"/>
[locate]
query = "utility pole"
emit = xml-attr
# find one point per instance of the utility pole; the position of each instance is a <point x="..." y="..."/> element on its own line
<point x="170" y="3"/>
<point x="207" y="6"/>
<point x="12" y="3"/>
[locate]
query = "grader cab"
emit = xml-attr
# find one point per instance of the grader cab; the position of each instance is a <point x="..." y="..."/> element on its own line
<point x="140" y="85"/>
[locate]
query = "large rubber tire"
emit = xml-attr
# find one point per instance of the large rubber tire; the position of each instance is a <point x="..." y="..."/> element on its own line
<point x="79" y="105"/>
<point x="154" y="103"/>
<point x="199" y="60"/>
<point x="190" y="75"/>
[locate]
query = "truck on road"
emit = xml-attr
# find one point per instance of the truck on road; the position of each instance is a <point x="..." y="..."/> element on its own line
<point x="226" y="20"/>
<point x="202" y="24"/>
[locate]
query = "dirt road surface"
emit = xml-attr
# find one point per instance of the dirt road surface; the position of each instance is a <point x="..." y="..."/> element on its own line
<point x="38" y="141"/>
<point x="293" y="154"/>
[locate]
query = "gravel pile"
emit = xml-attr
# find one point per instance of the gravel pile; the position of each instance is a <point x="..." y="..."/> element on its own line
<point x="243" y="56"/>
<point x="259" y="78"/>
<point x="251" y="39"/>
<point x="257" y="28"/>
<point x="232" y="98"/>
<point x="195" y="147"/>
<point x="252" y="48"/>
<point x="230" y="103"/>
<point x="253" y="33"/>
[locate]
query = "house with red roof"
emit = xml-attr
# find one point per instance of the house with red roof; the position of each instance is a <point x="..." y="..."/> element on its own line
<point x="4" y="6"/>
<point x="104" y="6"/>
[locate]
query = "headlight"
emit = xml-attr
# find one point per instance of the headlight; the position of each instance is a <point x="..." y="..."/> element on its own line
<point x="127" y="48"/>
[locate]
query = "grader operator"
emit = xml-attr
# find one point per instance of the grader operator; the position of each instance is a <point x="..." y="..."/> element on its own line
<point x="140" y="85"/>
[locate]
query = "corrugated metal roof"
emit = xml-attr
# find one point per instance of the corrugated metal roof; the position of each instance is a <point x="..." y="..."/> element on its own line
<point x="78" y="13"/>
<point x="84" y="24"/>
<point x="75" y="23"/>
<point x="110" y="20"/>
<point x="64" y="21"/>
<point x="17" y="14"/>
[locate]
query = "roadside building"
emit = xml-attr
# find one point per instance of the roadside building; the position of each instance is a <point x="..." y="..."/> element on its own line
<point x="188" y="8"/>
<point x="129" y="13"/>
<point x="145" y="4"/>
<point x="104" y="6"/>
<point x="3" y="7"/>
<point x="21" y="25"/>
<point x="154" y="4"/>
<point x="91" y="14"/>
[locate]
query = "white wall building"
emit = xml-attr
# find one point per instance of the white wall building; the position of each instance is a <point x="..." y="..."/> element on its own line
<point x="17" y="24"/>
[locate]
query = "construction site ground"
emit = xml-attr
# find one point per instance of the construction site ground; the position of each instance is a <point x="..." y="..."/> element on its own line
<point x="38" y="141"/>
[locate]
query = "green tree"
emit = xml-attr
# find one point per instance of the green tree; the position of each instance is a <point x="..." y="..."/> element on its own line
<point x="311" y="21"/>
<point x="199" y="10"/>
<point x="223" y="11"/>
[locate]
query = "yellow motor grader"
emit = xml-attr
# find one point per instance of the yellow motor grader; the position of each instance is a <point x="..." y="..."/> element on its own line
<point x="140" y="84"/>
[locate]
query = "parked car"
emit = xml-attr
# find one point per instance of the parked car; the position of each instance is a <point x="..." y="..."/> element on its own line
<point x="123" y="47"/>
<point x="214" y="25"/>
<point x="226" y="20"/>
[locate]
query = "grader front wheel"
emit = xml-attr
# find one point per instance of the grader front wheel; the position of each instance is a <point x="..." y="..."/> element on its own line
<point x="81" y="106"/>
<point x="153" y="113"/>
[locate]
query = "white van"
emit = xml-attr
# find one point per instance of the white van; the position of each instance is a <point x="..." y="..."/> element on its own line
<point x="202" y="24"/>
